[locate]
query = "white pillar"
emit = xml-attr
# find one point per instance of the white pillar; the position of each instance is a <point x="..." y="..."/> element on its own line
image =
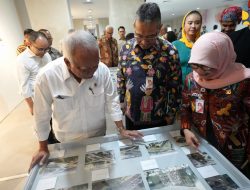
<point x="122" y="13"/>
<point x="53" y="15"/>
<point x="11" y="35"/>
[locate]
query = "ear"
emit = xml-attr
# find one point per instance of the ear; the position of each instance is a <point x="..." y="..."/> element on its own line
<point x="67" y="62"/>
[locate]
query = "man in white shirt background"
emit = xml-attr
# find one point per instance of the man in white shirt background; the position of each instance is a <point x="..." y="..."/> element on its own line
<point x="29" y="63"/>
<point x="75" y="89"/>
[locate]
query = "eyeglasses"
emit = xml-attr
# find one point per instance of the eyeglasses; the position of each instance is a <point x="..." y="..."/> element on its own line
<point x="147" y="38"/>
<point x="41" y="49"/>
<point x="202" y="67"/>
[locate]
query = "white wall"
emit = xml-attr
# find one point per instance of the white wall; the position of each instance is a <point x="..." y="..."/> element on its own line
<point x="22" y="14"/>
<point x="11" y="34"/>
<point x="53" y="15"/>
<point x="102" y="23"/>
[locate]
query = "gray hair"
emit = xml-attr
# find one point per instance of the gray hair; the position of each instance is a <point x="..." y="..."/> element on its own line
<point x="78" y="39"/>
<point x="149" y="12"/>
<point x="107" y="27"/>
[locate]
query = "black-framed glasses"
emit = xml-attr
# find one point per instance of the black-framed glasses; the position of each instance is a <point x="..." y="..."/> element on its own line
<point x="41" y="49"/>
<point x="146" y="38"/>
<point x="202" y="67"/>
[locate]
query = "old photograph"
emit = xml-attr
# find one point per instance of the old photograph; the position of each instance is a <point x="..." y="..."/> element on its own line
<point x="99" y="159"/>
<point x="221" y="182"/>
<point x="130" y="152"/>
<point x="59" y="165"/>
<point x="179" y="140"/>
<point x="76" y="187"/>
<point x="160" y="147"/>
<point x="179" y="177"/>
<point x="134" y="182"/>
<point x="200" y="159"/>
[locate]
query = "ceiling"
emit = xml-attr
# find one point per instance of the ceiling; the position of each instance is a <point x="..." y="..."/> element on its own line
<point x="170" y="9"/>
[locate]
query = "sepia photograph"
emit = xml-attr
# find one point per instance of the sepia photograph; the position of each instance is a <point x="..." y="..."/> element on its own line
<point x="134" y="182"/>
<point x="200" y="159"/>
<point x="130" y="152"/>
<point x="179" y="140"/>
<point x="160" y="147"/>
<point x="99" y="159"/>
<point x="59" y="165"/>
<point x="221" y="182"/>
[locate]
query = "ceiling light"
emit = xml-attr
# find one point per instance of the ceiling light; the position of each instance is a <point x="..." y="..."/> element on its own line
<point x="90" y="11"/>
<point x="173" y="14"/>
<point x="88" y="0"/>
<point x="198" y="8"/>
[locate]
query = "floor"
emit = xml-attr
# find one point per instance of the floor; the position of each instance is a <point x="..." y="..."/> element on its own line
<point x="19" y="142"/>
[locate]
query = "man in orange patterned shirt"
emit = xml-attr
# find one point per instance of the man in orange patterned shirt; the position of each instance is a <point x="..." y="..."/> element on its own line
<point x="108" y="48"/>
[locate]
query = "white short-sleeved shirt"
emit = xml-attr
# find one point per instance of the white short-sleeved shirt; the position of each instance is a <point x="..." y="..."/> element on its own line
<point x="28" y="66"/>
<point x="78" y="109"/>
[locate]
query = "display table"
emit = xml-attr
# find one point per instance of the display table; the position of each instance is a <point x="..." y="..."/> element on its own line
<point x="112" y="163"/>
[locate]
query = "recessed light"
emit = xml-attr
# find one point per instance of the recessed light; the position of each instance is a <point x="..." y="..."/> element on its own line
<point x="198" y="8"/>
<point x="90" y="11"/>
<point x="173" y="14"/>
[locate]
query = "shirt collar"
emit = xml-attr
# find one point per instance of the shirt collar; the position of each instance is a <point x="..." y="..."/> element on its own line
<point x="30" y="53"/>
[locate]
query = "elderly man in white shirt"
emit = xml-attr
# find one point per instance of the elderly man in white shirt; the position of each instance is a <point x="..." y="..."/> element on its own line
<point x="29" y="63"/>
<point x="75" y="89"/>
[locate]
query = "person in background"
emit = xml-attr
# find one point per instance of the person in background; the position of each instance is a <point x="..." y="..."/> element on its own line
<point x="229" y="19"/>
<point x="54" y="53"/>
<point x="129" y="36"/>
<point x="149" y="75"/>
<point x="78" y="87"/>
<point x="163" y="32"/>
<point x="122" y="38"/>
<point x="26" y="42"/>
<point x="191" y="26"/>
<point x="179" y="34"/>
<point x="108" y="48"/>
<point x="29" y="63"/>
<point x="204" y="30"/>
<point x="216" y="99"/>
<point x="170" y="36"/>
<point x="241" y="39"/>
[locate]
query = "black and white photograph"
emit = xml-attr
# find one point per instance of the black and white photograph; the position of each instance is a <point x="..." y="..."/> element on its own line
<point x="57" y="166"/>
<point x="130" y="152"/>
<point x="179" y="140"/>
<point x="99" y="159"/>
<point x="200" y="159"/>
<point x="179" y="177"/>
<point x="221" y="182"/>
<point x="160" y="147"/>
<point x="75" y="187"/>
<point x="134" y="182"/>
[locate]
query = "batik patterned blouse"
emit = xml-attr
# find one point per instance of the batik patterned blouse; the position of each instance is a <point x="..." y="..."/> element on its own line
<point x="225" y="113"/>
<point x="108" y="51"/>
<point x="148" y="103"/>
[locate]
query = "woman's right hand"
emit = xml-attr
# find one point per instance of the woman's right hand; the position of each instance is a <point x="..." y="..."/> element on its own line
<point x="191" y="139"/>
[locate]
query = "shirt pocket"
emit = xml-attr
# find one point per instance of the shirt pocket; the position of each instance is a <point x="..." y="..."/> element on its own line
<point x="95" y="97"/>
<point x="63" y="104"/>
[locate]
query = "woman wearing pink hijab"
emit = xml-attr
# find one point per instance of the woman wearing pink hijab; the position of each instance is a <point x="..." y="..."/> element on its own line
<point x="216" y="99"/>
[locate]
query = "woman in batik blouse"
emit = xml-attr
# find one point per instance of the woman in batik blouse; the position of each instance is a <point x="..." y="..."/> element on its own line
<point x="216" y="99"/>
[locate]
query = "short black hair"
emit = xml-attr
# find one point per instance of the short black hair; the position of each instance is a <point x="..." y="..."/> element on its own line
<point x="34" y="35"/>
<point x="27" y="31"/>
<point x="171" y="36"/>
<point x="121" y="27"/>
<point x="149" y="12"/>
<point x="194" y="12"/>
<point x="43" y="30"/>
<point x="129" y="36"/>
<point x="215" y="26"/>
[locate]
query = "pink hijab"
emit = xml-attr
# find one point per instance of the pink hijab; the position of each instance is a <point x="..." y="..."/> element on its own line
<point x="215" y="50"/>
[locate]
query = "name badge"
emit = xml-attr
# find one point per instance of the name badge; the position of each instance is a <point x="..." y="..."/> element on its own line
<point x="199" y="106"/>
<point x="149" y="82"/>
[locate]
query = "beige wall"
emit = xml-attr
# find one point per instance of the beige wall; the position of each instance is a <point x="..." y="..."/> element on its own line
<point x="78" y="24"/>
<point x="12" y="35"/>
<point x="53" y="15"/>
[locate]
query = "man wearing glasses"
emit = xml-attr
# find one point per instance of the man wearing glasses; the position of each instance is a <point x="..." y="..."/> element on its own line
<point x="149" y="76"/>
<point x="29" y="63"/>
